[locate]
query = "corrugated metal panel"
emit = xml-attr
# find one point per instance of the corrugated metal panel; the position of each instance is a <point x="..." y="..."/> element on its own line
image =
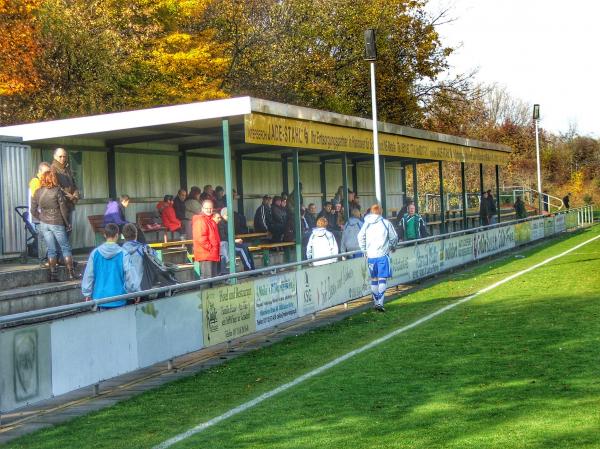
<point x="147" y="175"/>
<point x="202" y="171"/>
<point x="16" y="172"/>
<point x="95" y="179"/>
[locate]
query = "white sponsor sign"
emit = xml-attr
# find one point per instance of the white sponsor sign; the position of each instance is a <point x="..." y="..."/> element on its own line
<point x="403" y="264"/>
<point x="560" y="224"/>
<point x="328" y="285"/>
<point x="494" y="241"/>
<point x="456" y="251"/>
<point x="275" y="300"/>
<point x="537" y="229"/>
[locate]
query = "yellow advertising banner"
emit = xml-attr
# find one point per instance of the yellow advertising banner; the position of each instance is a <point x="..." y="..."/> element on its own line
<point x="263" y="129"/>
<point x="228" y="312"/>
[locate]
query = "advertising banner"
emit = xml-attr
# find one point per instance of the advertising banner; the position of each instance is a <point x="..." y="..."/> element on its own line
<point x="537" y="229"/>
<point x="403" y="264"/>
<point x="548" y="226"/>
<point x="228" y="312"/>
<point x="328" y="285"/>
<point x="522" y="233"/>
<point x="427" y="260"/>
<point x="571" y="219"/>
<point x="456" y="251"/>
<point x="276" y="300"/>
<point x="560" y="224"/>
<point x="493" y="241"/>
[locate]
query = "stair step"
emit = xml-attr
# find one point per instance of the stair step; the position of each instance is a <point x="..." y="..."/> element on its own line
<point x="39" y="296"/>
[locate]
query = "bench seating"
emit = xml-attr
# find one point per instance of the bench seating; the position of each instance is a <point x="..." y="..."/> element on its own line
<point x="145" y="219"/>
<point x="97" y="224"/>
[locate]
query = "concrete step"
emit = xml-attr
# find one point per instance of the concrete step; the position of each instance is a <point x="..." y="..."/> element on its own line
<point x="18" y="276"/>
<point x="39" y="296"/>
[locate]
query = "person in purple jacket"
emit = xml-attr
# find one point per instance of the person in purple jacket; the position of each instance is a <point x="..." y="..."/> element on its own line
<point x="115" y="213"/>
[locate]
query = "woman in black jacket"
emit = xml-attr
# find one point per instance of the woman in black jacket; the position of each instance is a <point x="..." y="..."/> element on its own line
<point x="51" y="208"/>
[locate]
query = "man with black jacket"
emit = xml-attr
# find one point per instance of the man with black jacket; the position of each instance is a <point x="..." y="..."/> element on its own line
<point x="262" y="218"/>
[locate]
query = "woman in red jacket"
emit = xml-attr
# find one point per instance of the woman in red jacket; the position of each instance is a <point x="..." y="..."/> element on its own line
<point x="206" y="241"/>
<point x="167" y="214"/>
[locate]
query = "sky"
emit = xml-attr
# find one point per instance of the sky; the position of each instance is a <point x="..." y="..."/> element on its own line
<point x="543" y="52"/>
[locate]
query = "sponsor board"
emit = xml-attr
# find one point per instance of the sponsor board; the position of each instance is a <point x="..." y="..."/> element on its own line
<point x="328" y="285"/>
<point x="427" y="260"/>
<point x="228" y="312"/>
<point x="456" y="251"/>
<point x="571" y="219"/>
<point x="493" y="241"/>
<point x="560" y="224"/>
<point x="275" y="300"/>
<point x="537" y="229"/>
<point x="548" y="226"/>
<point x="522" y="233"/>
<point x="403" y="264"/>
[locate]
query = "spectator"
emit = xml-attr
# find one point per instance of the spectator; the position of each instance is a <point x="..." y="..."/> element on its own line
<point x="492" y="209"/>
<point x="355" y="203"/>
<point x="136" y="257"/>
<point x="412" y="226"/>
<point x="339" y="220"/>
<point x="61" y="168"/>
<point x="115" y="213"/>
<point x="404" y="209"/>
<point x="338" y="197"/>
<point x="179" y="204"/>
<point x="50" y="207"/>
<point x="377" y="238"/>
<point x="207" y="243"/>
<point x="566" y="200"/>
<point x="168" y="216"/>
<point x="519" y="206"/>
<point x="262" y="217"/>
<point x="484" y="214"/>
<point x="108" y="271"/>
<point x="208" y="193"/>
<point x="241" y="248"/>
<point x="240" y="225"/>
<point x="220" y="200"/>
<point x="34" y="185"/>
<point x="321" y="243"/>
<point x="311" y="216"/>
<point x="279" y="219"/>
<point x="327" y="213"/>
<point x="192" y="208"/>
<point x="350" y="234"/>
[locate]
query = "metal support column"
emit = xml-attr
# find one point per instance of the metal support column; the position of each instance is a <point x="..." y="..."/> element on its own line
<point x="297" y="226"/>
<point x="323" y="176"/>
<point x="239" y="182"/>
<point x="498" y="192"/>
<point x="345" y="184"/>
<point x="463" y="185"/>
<point x="442" y="199"/>
<point x="355" y="177"/>
<point x="229" y="193"/>
<point x="112" y="173"/>
<point x="415" y="187"/>
<point x="480" y="191"/>
<point x="383" y="191"/>
<point x="183" y="169"/>
<point x="403" y="174"/>
<point x="285" y="177"/>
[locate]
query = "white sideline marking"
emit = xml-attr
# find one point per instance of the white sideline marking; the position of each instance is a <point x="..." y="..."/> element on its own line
<point x="247" y="405"/>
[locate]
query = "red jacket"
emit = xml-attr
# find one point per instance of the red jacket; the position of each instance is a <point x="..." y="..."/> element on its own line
<point x="206" y="238"/>
<point x="169" y="219"/>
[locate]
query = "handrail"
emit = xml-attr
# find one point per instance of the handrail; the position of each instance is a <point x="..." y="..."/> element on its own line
<point x="92" y="305"/>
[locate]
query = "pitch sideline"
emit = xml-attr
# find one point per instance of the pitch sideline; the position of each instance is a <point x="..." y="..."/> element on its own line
<point x="248" y="405"/>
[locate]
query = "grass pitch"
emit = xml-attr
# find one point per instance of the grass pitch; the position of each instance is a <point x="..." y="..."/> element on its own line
<point x="517" y="367"/>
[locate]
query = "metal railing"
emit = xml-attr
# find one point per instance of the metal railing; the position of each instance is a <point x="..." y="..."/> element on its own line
<point x="585" y="215"/>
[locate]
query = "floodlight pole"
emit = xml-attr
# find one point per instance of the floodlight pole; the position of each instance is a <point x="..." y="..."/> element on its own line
<point x="371" y="56"/>
<point x="536" y="119"/>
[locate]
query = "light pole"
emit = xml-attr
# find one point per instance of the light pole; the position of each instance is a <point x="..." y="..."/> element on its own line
<point x="371" y="56"/>
<point x="536" y="119"/>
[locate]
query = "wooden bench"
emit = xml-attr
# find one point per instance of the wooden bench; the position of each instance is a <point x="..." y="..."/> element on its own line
<point x="143" y="219"/>
<point x="267" y="248"/>
<point x="97" y="224"/>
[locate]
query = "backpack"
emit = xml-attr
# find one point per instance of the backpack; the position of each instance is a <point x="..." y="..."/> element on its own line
<point x="156" y="274"/>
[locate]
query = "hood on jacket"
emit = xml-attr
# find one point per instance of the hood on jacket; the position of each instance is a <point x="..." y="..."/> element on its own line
<point x="131" y="246"/>
<point x="372" y="218"/>
<point x="109" y="250"/>
<point x="319" y="232"/>
<point x="353" y="221"/>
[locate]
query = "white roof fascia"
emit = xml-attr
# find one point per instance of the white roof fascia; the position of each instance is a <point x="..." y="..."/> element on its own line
<point x="165" y="115"/>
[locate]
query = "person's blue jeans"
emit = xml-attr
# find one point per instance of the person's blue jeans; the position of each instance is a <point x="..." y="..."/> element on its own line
<point x="57" y="239"/>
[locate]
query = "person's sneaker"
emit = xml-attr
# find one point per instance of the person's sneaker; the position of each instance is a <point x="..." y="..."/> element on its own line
<point x="380" y="308"/>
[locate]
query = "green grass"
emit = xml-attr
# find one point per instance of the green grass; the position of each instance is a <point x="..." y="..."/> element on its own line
<point x="515" y="368"/>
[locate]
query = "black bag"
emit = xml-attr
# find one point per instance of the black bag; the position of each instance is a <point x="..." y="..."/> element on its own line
<point x="156" y="274"/>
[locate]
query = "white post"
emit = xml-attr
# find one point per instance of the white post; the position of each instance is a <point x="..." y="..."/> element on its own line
<point x="539" y="170"/>
<point x="375" y="139"/>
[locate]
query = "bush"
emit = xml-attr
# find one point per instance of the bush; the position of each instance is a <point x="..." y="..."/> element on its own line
<point x="587" y="199"/>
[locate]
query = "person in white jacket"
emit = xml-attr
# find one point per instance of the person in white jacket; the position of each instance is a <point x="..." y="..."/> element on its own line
<point x="321" y="243"/>
<point x="376" y="239"/>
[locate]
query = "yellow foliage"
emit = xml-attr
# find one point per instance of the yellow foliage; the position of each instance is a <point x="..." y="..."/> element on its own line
<point x="577" y="178"/>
